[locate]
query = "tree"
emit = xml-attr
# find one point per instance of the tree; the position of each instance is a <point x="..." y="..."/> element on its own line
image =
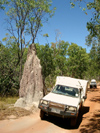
<point x="59" y="54"/>
<point x="94" y="67"/>
<point x="93" y="26"/>
<point x="9" y="70"/>
<point x="53" y="61"/>
<point x="3" y="3"/>
<point x="77" y="61"/>
<point x="26" y="17"/>
<point x="45" y="55"/>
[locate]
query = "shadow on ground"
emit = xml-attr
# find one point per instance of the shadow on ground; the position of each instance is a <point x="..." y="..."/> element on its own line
<point x="94" y="124"/>
<point x="95" y="99"/>
<point x="92" y="89"/>
<point x="65" y="123"/>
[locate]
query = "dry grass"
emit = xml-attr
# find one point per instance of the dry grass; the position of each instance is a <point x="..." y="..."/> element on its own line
<point x="16" y="112"/>
<point x="7" y="109"/>
<point x="8" y="100"/>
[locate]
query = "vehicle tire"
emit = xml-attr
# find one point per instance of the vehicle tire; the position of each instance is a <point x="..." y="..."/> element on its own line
<point x="80" y="110"/>
<point x="90" y="86"/>
<point x="42" y="114"/>
<point x="73" y="122"/>
<point x="95" y="86"/>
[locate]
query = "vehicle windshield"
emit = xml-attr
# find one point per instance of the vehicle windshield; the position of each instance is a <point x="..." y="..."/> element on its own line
<point x="93" y="82"/>
<point x="66" y="90"/>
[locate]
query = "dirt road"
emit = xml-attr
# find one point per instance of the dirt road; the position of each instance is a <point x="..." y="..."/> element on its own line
<point x="88" y="122"/>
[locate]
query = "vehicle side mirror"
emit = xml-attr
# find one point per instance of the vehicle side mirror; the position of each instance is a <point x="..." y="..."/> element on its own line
<point x="84" y="97"/>
<point x="80" y="89"/>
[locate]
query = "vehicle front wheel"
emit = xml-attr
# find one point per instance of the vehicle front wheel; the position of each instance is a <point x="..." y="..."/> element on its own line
<point x="73" y="122"/>
<point x="42" y="114"/>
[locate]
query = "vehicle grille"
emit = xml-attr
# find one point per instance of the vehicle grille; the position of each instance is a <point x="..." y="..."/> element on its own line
<point x="56" y="105"/>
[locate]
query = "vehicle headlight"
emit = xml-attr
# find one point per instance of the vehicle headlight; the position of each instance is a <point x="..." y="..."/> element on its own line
<point x="70" y="108"/>
<point x="44" y="102"/>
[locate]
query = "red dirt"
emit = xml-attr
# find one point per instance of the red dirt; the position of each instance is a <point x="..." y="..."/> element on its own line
<point x="88" y="122"/>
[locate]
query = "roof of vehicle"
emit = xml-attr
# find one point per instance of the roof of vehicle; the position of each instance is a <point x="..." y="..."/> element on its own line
<point x="93" y="80"/>
<point x="72" y="82"/>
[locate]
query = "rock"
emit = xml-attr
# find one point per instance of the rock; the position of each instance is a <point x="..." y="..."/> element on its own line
<point x="31" y="85"/>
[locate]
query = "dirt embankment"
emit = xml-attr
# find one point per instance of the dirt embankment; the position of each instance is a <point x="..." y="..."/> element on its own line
<point x="88" y="122"/>
<point x="91" y="120"/>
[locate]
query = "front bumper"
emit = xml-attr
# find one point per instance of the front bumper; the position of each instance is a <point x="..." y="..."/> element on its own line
<point x="93" y="85"/>
<point x="58" y="112"/>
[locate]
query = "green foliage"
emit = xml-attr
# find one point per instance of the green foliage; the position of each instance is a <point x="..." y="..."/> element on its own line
<point x="72" y="4"/>
<point x="77" y="61"/>
<point x="29" y="15"/>
<point x="46" y="58"/>
<point x="3" y="3"/>
<point x="57" y="59"/>
<point x="94" y="64"/>
<point x="25" y="18"/>
<point x="93" y="26"/>
<point x="53" y="61"/>
<point x="9" y="68"/>
<point x="94" y="38"/>
<point x="60" y="53"/>
<point x="65" y="60"/>
<point x="8" y="100"/>
<point x="46" y="35"/>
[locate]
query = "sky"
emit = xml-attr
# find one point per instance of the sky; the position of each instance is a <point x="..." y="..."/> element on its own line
<point x="69" y="22"/>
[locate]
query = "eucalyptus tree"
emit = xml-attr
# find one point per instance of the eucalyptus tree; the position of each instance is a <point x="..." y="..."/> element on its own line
<point x="53" y="60"/>
<point x="78" y="61"/>
<point x="59" y="54"/>
<point x="94" y="36"/>
<point x="26" y="17"/>
<point x="94" y="67"/>
<point x="9" y="69"/>
<point x="44" y="52"/>
<point x="3" y="3"/>
<point x="93" y="26"/>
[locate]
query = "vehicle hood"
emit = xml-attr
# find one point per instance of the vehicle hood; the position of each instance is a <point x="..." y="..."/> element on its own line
<point x="66" y="100"/>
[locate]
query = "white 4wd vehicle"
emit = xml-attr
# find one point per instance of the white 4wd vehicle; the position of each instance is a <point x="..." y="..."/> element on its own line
<point x="65" y="100"/>
<point x="93" y="83"/>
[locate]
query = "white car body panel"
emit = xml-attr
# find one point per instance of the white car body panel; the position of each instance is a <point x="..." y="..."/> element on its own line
<point x="93" y="80"/>
<point x="73" y="82"/>
<point x="62" y="99"/>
